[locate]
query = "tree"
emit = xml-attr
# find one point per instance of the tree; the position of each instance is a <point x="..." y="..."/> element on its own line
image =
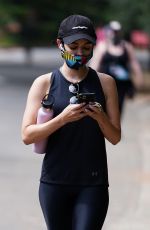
<point x="47" y="14"/>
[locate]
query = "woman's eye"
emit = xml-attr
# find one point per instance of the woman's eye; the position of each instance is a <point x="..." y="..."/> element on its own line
<point x="87" y="48"/>
<point x="84" y="48"/>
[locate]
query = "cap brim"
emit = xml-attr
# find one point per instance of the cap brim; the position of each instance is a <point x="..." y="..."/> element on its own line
<point x="75" y="37"/>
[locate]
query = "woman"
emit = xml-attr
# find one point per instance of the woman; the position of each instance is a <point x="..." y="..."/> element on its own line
<point x="115" y="56"/>
<point x="73" y="189"/>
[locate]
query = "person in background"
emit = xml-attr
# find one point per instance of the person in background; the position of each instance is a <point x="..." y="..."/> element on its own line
<point x="116" y="57"/>
<point x="74" y="183"/>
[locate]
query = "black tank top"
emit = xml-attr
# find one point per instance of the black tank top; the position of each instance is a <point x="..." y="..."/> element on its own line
<point x="116" y="66"/>
<point x="76" y="153"/>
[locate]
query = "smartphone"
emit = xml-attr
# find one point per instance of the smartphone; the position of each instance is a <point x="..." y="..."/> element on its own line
<point x="86" y="97"/>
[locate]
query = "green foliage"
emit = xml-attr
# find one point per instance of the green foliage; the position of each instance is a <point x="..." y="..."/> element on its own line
<point x="39" y="21"/>
<point x="132" y="14"/>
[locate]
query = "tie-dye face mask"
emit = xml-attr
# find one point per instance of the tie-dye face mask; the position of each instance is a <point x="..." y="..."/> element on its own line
<point x="75" y="61"/>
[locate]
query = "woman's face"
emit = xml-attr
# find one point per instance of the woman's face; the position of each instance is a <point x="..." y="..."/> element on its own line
<point x="76" y="54"/>
<point x="80" y="47"/>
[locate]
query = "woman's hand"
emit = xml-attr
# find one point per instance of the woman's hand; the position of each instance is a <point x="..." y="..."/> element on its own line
<point x="73" y="112"/>
<point x="94" y="110"/>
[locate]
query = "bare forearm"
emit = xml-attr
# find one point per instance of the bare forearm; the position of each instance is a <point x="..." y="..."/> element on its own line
<point x="37" y="132"/>
<point x="111" y="133"/>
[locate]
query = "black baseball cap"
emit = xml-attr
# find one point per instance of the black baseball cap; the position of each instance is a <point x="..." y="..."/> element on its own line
<point x="76" y="27"/>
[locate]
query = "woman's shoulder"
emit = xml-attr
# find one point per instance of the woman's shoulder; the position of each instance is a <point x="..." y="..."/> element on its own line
<point x="44" y="78"/>
<point x="42" y="82"/>
<point x="107" y="82"/>
<point x="103" y="77"/>
<point x="106" y="78"/>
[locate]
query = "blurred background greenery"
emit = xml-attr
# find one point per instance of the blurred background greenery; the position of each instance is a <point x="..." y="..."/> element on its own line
<point x="35" y="23"/>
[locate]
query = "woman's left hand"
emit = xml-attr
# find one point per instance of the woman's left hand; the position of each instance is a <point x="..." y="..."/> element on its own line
<point x="94" y="110"/>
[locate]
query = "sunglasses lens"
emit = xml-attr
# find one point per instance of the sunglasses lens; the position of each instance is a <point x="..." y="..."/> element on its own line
<point x="73" y="88"/>
<point x="73" y="100"/>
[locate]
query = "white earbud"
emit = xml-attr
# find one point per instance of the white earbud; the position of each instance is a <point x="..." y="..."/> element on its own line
<point x="61" y="47"/>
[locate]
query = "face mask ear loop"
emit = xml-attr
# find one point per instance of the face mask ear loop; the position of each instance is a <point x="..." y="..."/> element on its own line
<point x="64" y="53"/>
<point x="62" y="48"/>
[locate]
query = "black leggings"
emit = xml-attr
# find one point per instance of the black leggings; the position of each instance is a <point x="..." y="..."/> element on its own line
<point x="73" y="207"/>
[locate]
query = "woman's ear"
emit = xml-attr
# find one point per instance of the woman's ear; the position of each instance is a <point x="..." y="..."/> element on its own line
<point x="59" y="43"/>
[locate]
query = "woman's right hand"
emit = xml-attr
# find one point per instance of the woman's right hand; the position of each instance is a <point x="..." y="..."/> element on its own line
<point x="73" y="112"/>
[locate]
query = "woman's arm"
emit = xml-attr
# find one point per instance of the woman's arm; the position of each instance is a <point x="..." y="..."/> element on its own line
<point x="32" y="132"/>
<point x="138" y="78"/>
<point x="98" y="53"/>
<point x="109" y="122"/>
